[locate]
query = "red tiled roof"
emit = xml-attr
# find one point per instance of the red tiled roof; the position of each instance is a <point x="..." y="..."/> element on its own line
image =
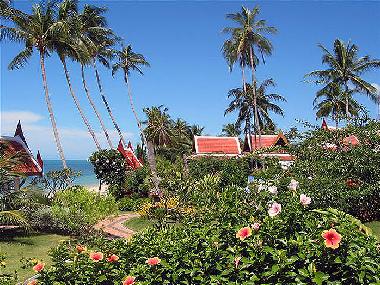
<point x="266" y="141"/>
<point x="129" y="156"/>
<point x="280" y="156"/>
<point x="29" y="165"/>
<point x="351" y="140"/>
<point x="217" y="145"/>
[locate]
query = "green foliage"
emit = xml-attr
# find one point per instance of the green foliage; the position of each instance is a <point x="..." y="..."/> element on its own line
<point x="232" y="171"/>
<point x="204" y="249"/>
<point x="347" y="178"/>
<point x="55" y="180"/>
<point x="109" y="166"/>
<point x="131" y="203"/>
<point x="79" y="209"/>
<point x="5" y="278"/>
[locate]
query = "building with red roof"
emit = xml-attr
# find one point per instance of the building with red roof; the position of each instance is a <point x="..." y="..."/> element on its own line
<point x="216" y="146"/>
<point x="17" y="146"/>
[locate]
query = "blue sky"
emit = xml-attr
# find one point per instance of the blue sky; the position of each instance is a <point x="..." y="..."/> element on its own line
<point x="188" y="74"/>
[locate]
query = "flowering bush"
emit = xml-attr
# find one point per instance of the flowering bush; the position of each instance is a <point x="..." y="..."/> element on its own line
<point x="233" y="238"/>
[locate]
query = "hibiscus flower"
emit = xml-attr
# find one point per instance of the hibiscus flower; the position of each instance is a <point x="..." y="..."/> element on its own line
<point x="332" y="238"/>
<point x="243" y="233"/>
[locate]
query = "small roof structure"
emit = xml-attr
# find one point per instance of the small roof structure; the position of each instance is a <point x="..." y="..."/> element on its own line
<point x="266" y="141"/>
<point x="327" y="127"/>
<point x="28" y="166"/>
<point x="129" y="155"/>
<point x="216" y="146"/>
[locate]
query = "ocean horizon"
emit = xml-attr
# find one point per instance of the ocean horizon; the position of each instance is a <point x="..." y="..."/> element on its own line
<point x="87" y="177"/>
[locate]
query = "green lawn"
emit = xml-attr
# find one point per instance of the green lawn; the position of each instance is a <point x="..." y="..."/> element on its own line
<point x="34" y="246"/>
<point x="138" y="224"/>
<point x="375" y="226"/>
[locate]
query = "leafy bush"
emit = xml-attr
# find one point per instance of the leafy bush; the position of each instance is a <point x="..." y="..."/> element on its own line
<point x="235" y="237"/>
<point x="109" y="166"/>
<point x="232" y="171"/>
<point x="131" y="203"/>
<point x="79" y="209"/>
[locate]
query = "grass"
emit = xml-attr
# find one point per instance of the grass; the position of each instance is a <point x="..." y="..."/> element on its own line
<point x="138" y="224"/>
<point x="375" y="226"/>
<point x="33" y="246"/>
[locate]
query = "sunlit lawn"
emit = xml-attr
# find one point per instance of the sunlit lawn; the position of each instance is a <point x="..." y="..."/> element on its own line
<point x="138" y="224"/>
<point x="34" y="246"/>
<point x="375" y="226"/>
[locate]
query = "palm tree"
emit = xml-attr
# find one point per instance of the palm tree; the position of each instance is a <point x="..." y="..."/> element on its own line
<point x="242" y="102"/>
<point x="196" y="130"/>
<point x="231" y="130"/>
<point x="39" y="31"/>
<point x="129" y="61"/>
<point x="266" y="104"/>
<point x="248" y="41"/>
<point x="344" y="68"/>
<point x="331" y="101"/>
<point x="91" y="29"/>
<point x="67" y="13"/>
<point x="159" y="129"/>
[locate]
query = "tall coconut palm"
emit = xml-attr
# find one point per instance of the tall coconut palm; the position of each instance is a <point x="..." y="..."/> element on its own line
<point x="68" y="47"/>
<point x="38" y="32"/>
<point x="231" y="130"/>
<point x="129" y="61"/>
<point x="331" y="101"/>
<point x="248" y="37"/>
<point x="345" y="67"/>
<point x="242" y="103"/>
<point x="196" y="130"/>
<point x="91" y="29"/>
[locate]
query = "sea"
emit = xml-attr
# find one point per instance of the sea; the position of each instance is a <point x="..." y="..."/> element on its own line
<point x="87" y="177"/>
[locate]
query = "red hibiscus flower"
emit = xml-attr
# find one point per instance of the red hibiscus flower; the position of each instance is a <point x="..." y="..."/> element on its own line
<point x="80" y="248"/>
<point x="113" y="258"/>
<point x="129" y="280"/>
<point x="33" y="282"/>
<point x="153" y="261"/>
<point x="332" y="238"/>
<point x="96" y="256"/>
<point x="243" y="233"/>
<point x="39" y="267"/>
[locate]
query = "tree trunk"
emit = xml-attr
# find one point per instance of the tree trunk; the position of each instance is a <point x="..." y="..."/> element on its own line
<point x="106" y="103"/>
<point x="50" y="109"/>
<point x="150" y="150"/>
<point x="76" y="101"/>
<point x="153" y="168"/>
<point x="257" y="123"/>
<point x="94" y="108"/>
<point x="347" y="102"/>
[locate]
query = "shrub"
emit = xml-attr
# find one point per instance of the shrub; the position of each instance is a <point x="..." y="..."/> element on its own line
<point x="232" y="171"/>
<point x="79" y="209"/>
<point x="109" y="166"/>
<point x="131" y="203"/>
<point x="234" y="239"/>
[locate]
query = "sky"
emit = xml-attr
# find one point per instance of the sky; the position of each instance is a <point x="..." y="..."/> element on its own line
<point x="188" y="74"/>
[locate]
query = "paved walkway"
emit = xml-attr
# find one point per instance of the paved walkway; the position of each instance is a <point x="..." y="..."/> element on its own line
<point x="114" y="226"/>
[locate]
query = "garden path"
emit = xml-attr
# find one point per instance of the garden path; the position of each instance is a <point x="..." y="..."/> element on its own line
<point x="114" y="226"/>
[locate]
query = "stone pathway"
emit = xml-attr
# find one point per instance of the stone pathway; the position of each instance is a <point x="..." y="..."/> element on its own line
<point x="114" y="226"/>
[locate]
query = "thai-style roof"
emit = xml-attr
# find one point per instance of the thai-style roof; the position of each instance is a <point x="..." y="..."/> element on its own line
<point x="265" y="142"/>
<point x="129" y="155"/>
<point x="327" y="127"/>
<point x="209" y="145"/>
<point x="28" y="165"/>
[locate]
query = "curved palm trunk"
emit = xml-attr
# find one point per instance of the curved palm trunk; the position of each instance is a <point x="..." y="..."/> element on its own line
<point x="76" y="101"/>
<point x="150" y="147"/>
<point x="257" y="125"/>
<point x="347" y="103"/>
<point x="106" y="103"/>
<point x="50" y="109"/>
<point x="94" y="108"/>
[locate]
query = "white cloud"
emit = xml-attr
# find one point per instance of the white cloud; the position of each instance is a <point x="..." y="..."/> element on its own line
<point x="77" y="142"/>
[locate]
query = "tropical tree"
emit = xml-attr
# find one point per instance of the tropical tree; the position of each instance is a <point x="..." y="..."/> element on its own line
<point x="231" y="130"/>
<point x="91" y="29"/>
<point x="196" y="130"/>
<point x="68" y="47"/>
<point x="247" y="42"/>
<point x="242" y="103"/>
<point x="331" y="101"/>
<point x="345" y="67"/>
<point x="38" y="32"/>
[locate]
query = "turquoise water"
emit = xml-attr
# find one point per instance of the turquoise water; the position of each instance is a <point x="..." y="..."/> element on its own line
<point x="87" y="177"/>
